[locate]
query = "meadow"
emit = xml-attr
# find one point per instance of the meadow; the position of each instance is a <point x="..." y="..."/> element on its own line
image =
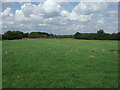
<point x="59" y="63"/>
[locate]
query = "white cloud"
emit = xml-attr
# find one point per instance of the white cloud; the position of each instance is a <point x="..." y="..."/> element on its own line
<point x="115" y="22"/>
<point x="48" y="9"/>
<point x="51" y="6"/>
<point x="113" y="12"/>
<point x="101" y="21"/>
<point x="19" y="15"/>
<point x="47" y="20"/>
<point x="64" y="13"/>
<point x="43" y="24"/>
<point x="28" y="9"/>
<point x="80" y="17"/>
<point x="51" y="16"/>
<point x="6" y="12"/>
<point x="84" y="10"/>
<point x="89" y="7"/>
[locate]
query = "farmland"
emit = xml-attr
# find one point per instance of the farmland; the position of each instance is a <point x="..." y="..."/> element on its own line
<point x="59" y="63"/>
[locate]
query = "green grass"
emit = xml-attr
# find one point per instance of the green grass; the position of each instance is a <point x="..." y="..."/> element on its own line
<point x="59" y="63"/>
<point x="0" y="64"/>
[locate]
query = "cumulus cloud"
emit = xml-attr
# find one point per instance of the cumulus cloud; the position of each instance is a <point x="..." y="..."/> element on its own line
<point x="28" y="9"/>
<point x="113" y="12"/>
<point x="80" y="17"/>
<point x="51" y="7"/>
<point x="64" y="13"/>
<point x="48" y="9"/>
<point x="101" y="21"/>
<point x="6" y="12"/>
<point x="84" y="10"/>
<point x="52" y="17"/>
<point x="19" y="15"/>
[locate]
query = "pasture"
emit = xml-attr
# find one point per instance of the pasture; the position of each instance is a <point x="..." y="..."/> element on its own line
<point x="59" y="63"/>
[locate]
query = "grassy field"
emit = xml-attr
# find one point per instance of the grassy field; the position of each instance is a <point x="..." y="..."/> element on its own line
<point x="59" y="63"/>
<point x="0" y="64"/>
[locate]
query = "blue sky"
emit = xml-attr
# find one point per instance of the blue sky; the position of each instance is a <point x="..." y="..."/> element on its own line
<point x="60" y="17"/>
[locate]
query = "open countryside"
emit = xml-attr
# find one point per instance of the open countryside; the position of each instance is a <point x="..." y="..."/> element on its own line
<point x="53" y="44"/>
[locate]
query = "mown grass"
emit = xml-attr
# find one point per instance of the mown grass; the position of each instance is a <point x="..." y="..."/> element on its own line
<point x="59" y="63"/>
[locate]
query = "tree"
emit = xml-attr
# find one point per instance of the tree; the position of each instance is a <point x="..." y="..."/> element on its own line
<point x="100" y="31"/>
<point x="77" y="35"/>
<point x="26" y="35"/>
<point x="10" y="35"/>
<point x="0" y="36"/>
<point x="100" y="35"/>
<point x="38" y="34"/>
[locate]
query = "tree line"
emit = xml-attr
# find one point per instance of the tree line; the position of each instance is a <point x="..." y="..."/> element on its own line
<point x="11" y="35"/>
<point x="100" y="35"/>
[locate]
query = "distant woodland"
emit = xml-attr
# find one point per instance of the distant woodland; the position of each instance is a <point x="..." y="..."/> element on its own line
<point x="99" y="35"/>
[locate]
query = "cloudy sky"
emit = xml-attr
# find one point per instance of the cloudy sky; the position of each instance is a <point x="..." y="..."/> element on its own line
<point x="60" y="17"/>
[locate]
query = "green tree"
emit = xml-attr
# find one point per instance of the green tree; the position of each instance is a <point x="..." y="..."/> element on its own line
<point x="100" y="35"/>
<point x="100" y="31"/>
<point x="77" y="35"/>
<point x="10" y="35"/>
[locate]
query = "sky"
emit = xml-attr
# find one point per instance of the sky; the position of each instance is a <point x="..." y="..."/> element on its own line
<point x="61" y="18"/>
